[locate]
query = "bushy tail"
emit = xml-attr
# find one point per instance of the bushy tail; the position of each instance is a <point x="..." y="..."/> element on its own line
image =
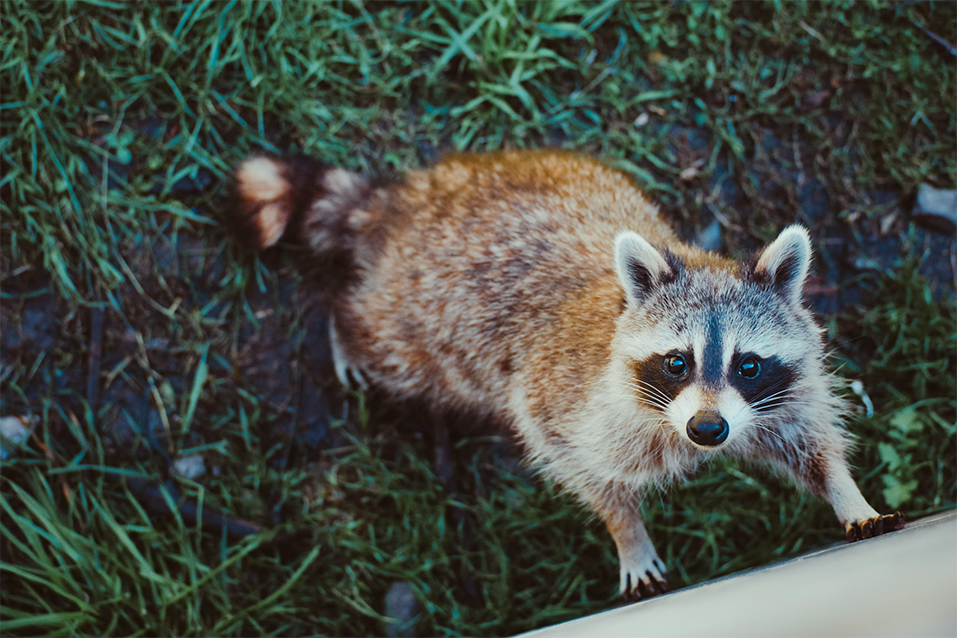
<point x="298" y="198"/>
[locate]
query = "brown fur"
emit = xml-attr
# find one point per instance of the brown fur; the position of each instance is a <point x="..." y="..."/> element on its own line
<point x="532" y="301"/>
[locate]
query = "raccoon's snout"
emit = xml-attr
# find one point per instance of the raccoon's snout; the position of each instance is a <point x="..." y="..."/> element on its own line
<point x="708" y="429"/>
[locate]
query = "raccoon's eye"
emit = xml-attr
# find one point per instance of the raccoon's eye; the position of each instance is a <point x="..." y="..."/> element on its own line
<point x="749" y="368"/>
<point x="675" y="364"/>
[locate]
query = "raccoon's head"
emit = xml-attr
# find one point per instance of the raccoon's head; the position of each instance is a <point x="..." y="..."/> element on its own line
<point x="719" y="353"/>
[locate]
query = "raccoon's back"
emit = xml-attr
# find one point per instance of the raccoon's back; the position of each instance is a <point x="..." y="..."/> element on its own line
<point x="501" y="265"/>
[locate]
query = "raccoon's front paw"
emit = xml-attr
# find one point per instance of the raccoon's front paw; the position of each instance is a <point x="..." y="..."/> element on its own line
<point x="643" y="578"/>
<point x="875" y="526"/>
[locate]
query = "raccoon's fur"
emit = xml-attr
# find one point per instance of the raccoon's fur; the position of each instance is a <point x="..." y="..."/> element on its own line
<point x="543" y="290"/>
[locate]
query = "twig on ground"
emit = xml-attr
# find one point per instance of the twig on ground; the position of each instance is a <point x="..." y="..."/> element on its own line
<point x="151" y="495"/>
<point x="936" y="38"/>
<point x="97" y="316"/>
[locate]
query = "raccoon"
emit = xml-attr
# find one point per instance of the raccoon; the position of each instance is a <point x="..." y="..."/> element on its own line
<point x="544" y="291"/>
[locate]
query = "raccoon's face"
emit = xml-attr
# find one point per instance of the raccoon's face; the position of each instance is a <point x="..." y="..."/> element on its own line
<point x="717" y="354"/>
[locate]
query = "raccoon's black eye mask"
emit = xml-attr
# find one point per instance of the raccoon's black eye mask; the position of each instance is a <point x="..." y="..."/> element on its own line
<point x="763" y="383"/>
<point x="663" y="377"/>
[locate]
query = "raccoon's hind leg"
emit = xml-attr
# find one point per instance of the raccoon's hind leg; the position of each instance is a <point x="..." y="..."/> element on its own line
<point x="347" y="374"/>
<point x="642" y="572"/>
<point x="277" y="197"/>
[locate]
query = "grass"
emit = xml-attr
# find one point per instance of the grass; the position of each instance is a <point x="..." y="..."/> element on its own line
<point x="119" y="125"/>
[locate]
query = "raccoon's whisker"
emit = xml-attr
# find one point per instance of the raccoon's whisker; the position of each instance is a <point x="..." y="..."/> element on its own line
<point x="782" y="391"/>
<point x="662" y="425"/>
<point x="779" y="401"/>
<point x="774" y="398"/>
<point x="656" y="391"/>
<point x="653" y="403"/>
<point x="777" y="392"/>
<point x="794" y="386"/>
<point x="763" y="402"/>
<point x="767" y="410"/>
<point x="648" y="390"/>
<point x="758" y="424"/>
<point x="785" y="393"/>
<point x="650" y="399"/>
<point x="662" y="442"/>
<point x="789" y="401"/>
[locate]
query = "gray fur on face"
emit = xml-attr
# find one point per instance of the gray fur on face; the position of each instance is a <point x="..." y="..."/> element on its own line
<point x="719" y="305"/>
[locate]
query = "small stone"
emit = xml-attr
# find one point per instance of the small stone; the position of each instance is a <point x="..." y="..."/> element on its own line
<point x="14" y="430"/>
<point x="688" y="174"/>
<point x="189" y="467"/>
<point x="887" y="222"/>
<point x="657" y="58"/>
<point x="403" y="609"/>
<point x="641" y="120"/>
<point x="709" y="238"/>
<point x="426" y="151"/>
<point x="692" y="171"/>
<point x="936" y="208"/>
<point x="863" y="262"/>
<point x="815" y="100"/>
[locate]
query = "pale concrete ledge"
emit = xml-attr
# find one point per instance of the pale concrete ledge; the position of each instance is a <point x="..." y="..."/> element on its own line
<point x="900" y="584"/>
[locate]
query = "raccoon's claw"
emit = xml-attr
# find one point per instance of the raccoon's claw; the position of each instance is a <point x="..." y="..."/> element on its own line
<point x="652" y="582"/>
<point x="860" y="530"/>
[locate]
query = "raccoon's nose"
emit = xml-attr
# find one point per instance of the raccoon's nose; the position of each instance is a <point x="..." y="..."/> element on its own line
<point x="708" y="428"/>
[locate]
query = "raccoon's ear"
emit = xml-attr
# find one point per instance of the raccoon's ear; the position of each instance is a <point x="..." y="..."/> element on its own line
<point x="641" y="267"/>
<point x="785" y="262"/>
